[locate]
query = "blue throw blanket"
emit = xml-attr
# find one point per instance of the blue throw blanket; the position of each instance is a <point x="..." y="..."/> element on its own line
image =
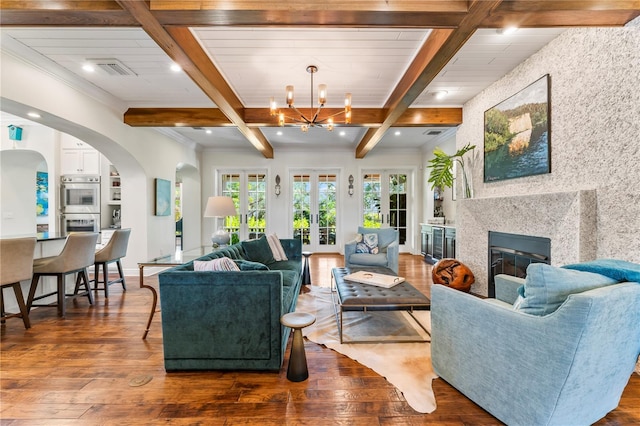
<point x="616" y="269"/>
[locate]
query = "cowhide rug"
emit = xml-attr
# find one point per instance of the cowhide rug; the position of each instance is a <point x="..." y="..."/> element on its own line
<point x="407" y="366"/>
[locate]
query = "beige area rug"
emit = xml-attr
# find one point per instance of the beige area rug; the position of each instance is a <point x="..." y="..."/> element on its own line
<point x="407" y="366"/>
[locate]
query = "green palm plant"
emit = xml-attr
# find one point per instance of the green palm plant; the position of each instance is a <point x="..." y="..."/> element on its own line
<point x="441" y="166"/>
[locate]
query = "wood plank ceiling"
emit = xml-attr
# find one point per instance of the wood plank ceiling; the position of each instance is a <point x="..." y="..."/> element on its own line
<point x="178" y="27"/>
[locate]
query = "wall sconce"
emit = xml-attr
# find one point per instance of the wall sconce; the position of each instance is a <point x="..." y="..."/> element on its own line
<point x="277" y="185"/>
<point x="350" y="185"/>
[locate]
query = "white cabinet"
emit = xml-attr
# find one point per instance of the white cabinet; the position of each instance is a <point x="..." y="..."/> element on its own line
<point x="80" y="161"/>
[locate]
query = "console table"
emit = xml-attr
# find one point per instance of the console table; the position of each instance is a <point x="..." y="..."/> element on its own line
<point x="176" y="259"/>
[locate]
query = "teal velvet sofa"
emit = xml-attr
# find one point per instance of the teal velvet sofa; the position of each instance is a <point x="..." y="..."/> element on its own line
<point x="565" y="361"/>
<point x="230" y="320"/>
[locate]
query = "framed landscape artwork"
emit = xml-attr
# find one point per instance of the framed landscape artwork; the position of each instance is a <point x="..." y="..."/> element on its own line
<point x="42" y="194"/>
<point x="163" y="197"/>
<point x="517" y="134"/>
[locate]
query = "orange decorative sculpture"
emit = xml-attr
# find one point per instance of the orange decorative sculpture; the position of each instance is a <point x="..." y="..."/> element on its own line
<point x="453" y="273"/>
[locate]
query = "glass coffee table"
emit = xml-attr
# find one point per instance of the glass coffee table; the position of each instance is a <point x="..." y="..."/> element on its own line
<point x="175" y="259"/>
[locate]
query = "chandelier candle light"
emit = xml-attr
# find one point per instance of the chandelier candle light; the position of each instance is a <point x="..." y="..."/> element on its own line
<point x="314" y="121"/>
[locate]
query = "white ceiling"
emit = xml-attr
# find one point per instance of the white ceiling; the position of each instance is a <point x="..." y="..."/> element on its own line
<point x="259" y="62"/>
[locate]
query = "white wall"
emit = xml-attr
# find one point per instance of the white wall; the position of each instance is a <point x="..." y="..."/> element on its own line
<point x="285" y="161"/>
<point x="139" y="154"/>
<point x="41" y="142"/>
<point x="595" y="128"/>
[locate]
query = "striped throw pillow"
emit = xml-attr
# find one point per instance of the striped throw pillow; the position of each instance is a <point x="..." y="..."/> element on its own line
<point x="220" y="264"/>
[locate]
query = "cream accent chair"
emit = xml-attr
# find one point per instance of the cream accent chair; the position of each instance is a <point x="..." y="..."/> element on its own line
<point x="115" y="249"/>
<point x="16" y="264"/>
<point x="77" y="255"/>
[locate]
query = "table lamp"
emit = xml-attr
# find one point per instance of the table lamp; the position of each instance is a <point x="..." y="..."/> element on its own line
<point x="220" y="207"/>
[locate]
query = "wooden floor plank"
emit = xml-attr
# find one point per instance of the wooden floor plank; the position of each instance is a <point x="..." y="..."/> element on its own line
<point x="79" y="371"/>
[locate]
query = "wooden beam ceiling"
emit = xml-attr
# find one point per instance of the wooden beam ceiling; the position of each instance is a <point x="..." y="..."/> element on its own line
<point x="181" y="46"/>
<point x="261" y="117"/>
<point x="452" y="21"/>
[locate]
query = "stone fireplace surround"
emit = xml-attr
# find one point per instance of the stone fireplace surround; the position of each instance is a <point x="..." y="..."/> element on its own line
<point x="567" y="218"/>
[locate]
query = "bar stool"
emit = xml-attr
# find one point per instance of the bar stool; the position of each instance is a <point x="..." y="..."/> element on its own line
<point x="76" y="256"/>
<point x="297" y="369"/>
<point x="16" y="264"/>
<point x="115" y="249"/>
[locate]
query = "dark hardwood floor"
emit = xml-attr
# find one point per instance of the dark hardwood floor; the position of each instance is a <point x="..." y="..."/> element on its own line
<point x="80" y="371"/>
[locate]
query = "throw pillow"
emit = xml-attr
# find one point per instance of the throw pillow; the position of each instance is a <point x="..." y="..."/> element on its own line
<point x="247" y="265"/>
<point x="258" y="250"/>
<point x="220" y="264"/>
<point x="386" y="236"/>
<point x="367" y="243"/>
<point x="620" y="270"/>
<point x="276" y="247"/>
<point x="547" y="287"/>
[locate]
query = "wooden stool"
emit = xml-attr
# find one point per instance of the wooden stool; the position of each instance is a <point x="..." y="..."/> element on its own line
<point x="297" y="370"/>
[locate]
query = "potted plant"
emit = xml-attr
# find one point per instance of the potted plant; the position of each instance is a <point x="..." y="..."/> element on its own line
<point x="442" y="174"/>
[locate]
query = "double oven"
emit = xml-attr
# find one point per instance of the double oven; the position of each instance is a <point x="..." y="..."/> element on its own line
<point x="80" y="203"/>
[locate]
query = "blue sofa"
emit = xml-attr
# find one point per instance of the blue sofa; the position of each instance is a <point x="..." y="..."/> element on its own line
<point x="563" y="362"/>
<point x="230" y="320"/>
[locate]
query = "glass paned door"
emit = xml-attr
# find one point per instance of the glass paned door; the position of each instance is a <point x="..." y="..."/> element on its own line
<point x="248" y="190"/>
<point x="302" y="208"/>
<point x="372" y="194"/>
<point x="315" y="210"/>
<point x="398" y="204"/>
<point x="384" y="202"/>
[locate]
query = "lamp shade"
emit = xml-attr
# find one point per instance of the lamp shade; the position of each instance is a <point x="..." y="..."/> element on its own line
<point x="220" y="206"/>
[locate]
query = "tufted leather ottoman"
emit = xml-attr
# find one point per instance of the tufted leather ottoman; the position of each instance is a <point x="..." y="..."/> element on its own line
<point x="354" y="296"/>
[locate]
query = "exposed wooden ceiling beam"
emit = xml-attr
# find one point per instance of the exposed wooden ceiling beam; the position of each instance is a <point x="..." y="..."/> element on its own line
<point x="72" y="13"/>
<point x="378" y="13"/>
<point x="260" y="117"/>
<point x="181" y="46"/>
<point x="304" y="5"/>
<point x="454" y="21"/>
<point x="436" y="52"/>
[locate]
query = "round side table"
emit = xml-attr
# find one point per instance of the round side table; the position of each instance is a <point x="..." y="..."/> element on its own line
<point x="297" y="370"/>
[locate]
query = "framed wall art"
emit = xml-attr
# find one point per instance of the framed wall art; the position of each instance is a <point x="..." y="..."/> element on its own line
<point x="517" y="134"/>
<point x="163" y="197"/>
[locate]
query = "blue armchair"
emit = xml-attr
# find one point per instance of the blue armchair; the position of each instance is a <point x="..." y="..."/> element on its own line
<point x="388" y="250"/>
<point x="568" y="367"/>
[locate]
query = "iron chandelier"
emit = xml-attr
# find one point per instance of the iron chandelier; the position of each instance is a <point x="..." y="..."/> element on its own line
<point x="315" y="120"/>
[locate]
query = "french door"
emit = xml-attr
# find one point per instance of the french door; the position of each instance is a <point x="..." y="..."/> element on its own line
<point x="249" y="192"/>
<point x="385" y="196"/>
<point x="314" y="204"/>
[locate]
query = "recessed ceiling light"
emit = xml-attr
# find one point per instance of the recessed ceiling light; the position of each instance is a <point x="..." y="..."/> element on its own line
<point x="88" y="67"/>
<point x="440" y="94"/>
<point x="507" y="30"/>
<point x="279" y="133"/>
<point x="175" y="67"/>
<point x="208" y="131"/>
<point x="397" y="133"/>
<point x="33" y="115"/>
<point x="342" y="133"/>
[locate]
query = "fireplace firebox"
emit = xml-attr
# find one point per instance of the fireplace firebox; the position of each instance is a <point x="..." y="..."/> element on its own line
<point x="510" y="254"/>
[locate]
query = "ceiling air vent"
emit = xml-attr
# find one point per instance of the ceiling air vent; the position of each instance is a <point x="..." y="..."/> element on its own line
<point x="433" y="132"/>
<point x="112" y="67"/>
